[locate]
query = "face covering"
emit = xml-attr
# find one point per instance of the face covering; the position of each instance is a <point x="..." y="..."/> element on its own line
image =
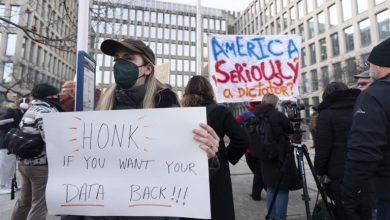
<point x="126" y="73"/>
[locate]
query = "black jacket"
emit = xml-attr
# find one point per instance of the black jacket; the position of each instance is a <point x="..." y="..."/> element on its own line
<point x="285" y="165"/>
<point x="333" y="125"/>
<point x="368" y="142"/>
<point x="221" y="194"/>
<point x="16" y="115"/>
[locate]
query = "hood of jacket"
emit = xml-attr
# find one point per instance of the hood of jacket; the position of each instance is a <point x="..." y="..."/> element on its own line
<point x="340" y="100"/>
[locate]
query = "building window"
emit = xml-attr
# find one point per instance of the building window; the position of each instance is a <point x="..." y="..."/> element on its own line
<point x="302" y="31"/>
<point x="152" y="32"/>
<point x="285" y="18"/>
<point x="180" y="50"/>
<point x="8" y="71"/>
<point x="193" y="66"/>
<point x="160" y="18"/>
<point x="278" y="27"/>
<point x="332" y="13"/>
<point x="11" y="45"/>
<point x="172" y="80"/>
<point x="362" y="5"/>
<point x="365" y="35"/>
<point x="166" y="33"/>
<point x="348" y="35"/>
<point x="211" y="24"/>
<point x="167" y="19"/>
<point x="159" y="33"/>
<point x="303" y="57"/>
<point x="351" y="70"/>
<point x="321" y="22"/>
<point x="139" y="15"/>
<point x="324" y="54"/>
<point x="205" y="23"/>
<point x="309" y="5"/>
<point x="325" y="76"/>
<point x="383" y="21"/>
<point x="223" y="25"/>
<point x="310" y="26"/>
<point x="292" y="15"/>
<point x="159" y="48"/>
<point x="173" y="19"/>
<point x="346" y="7"/>
<point x="304" y="82"/>
<point x="23" y="49"/>
<point x="173" y="64"/>
<point x="301" y="10"/>
<point x="314" y="80"/>
<point x="139" y="31"/>
<point x="320" y="2"/>
<point x="15" y="14"/>
<point x="146" y="16"/>
<point x="312" y="48"/>
<point x="337" y="72"/>
<point x="153" y="17"/>
<point x="173" y="49"/>
<point x="335" y="44"/>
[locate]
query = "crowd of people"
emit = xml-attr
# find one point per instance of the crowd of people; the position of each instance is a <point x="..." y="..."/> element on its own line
<point x="350" y="129"/>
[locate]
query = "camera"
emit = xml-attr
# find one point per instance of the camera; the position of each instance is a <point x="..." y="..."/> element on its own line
<point x="293" y="110"/>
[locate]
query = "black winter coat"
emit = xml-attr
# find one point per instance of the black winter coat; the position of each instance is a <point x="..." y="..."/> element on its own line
<point x="272" y="170"/>
<point x="333" y="125"/>
<point x="221" y="194"/>
<point x="15" y="114"/>
<point x="369" y="141"/>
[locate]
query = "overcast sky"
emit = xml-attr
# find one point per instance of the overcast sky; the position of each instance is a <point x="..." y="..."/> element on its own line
<point x="235" y="5"/>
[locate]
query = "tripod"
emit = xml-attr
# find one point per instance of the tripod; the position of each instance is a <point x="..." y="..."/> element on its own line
<point x="301" y="151"/>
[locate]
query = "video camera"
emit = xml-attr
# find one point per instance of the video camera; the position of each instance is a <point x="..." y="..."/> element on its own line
<point x="293" y="110"/>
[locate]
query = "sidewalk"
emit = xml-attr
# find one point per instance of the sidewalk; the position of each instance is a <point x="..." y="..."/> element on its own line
<point x="245" y="207"/>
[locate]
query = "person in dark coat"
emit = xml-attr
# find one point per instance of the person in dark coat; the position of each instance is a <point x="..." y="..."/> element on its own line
<point x="333" y="125"/>
<point x="283" y="167"/>
<point x="136" y="87"/>
<point x="200" y="93"/>
<point x="368" y="155"/>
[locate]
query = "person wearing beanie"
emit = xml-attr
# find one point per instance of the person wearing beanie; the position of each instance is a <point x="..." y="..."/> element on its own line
<point x="363" y="80"/>
<point x="368" y="151"/>
<point x="31" y="203"/>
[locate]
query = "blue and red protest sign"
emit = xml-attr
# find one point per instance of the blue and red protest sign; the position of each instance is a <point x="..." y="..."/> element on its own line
<point x="246" y="67"/>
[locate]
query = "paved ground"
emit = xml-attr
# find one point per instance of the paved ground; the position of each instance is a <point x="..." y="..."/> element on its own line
<point x="245" y="207"/>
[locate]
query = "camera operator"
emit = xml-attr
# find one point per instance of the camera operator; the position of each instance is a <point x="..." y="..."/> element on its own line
<point x="283" y="166"/>
<point x="333" y="124"/>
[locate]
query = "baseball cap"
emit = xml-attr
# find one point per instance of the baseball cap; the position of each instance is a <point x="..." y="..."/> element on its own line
<point x="110" y="46"/>
<point x="365" y="74"/>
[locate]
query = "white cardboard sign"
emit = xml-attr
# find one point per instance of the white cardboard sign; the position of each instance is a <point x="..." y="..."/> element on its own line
<point x="127" y="163"/>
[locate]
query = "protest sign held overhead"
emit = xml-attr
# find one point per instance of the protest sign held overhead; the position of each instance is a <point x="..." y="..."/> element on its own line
<point x="127" y="163"/>
<point x="246" y="67"/>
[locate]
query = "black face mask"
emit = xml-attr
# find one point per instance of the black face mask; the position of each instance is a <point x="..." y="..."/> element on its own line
<point x="54" y="100"/>
<point x="126" y="73"/>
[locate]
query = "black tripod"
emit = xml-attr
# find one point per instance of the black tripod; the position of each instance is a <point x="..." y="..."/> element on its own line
<point x="301" y="151"/>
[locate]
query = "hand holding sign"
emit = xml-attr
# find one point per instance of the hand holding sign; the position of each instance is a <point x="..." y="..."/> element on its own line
<point x="208" y="139"/>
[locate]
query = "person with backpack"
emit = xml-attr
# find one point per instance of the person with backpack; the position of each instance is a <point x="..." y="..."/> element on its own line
<point x="10" y="119"/>
<point x="253" y="162"/>
<point x="200" y="93"/>
<point x="31" y="204"/>
<point x="276" y="154"/>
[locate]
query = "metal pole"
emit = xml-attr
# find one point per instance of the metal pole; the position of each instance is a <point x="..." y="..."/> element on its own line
<point x="82" y="25"/>
<point x="199" y="42"/>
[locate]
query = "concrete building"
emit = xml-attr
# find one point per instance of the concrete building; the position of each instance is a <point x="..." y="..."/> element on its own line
<point x="33" y="60"/>
<point x="337" y="36"/>
<point x="168" y="28"/>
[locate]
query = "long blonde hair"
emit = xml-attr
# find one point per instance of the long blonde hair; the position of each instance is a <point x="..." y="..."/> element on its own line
<point x="152" y="84"/>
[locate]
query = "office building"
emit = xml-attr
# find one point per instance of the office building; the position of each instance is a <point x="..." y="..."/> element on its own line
<point x="337" y="36"/>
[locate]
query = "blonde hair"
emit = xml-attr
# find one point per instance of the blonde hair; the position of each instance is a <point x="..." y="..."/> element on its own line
<point x="270" y="98"/>
<point x="106" y="102"/>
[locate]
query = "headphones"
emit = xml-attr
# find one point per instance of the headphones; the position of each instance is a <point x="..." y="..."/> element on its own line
<point x="23" y="105"/>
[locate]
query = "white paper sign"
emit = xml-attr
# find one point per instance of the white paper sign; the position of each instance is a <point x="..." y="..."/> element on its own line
<point x="246" y="67"/>
<point x="127" y="163"/>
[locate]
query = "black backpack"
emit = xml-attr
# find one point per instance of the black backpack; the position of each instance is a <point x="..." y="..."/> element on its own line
<point x="263" y="143"/>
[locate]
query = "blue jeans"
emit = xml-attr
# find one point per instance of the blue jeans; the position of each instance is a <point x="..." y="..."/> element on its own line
<point x="383" y="208"/>
<point x="279" y="210"/>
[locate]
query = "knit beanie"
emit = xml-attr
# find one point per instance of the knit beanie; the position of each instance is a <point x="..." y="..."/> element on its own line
<point x="43" y="90"/>
<point x="380" y="54"/>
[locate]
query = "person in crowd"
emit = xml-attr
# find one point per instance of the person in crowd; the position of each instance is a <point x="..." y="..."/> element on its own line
<point x="136" y="87"/>
<point x="10" y="119"/>
<point x="253" y="162"/>
<point x="31" y="204"/>
<point x="368" y="155"/>
<point x="69" y="87"/>
<point x="333" y="124"/>
<point x="363" y="80"/>
<point x="199" y="92"/>
<point x="313" y="123"/>
<point x="283" y="167"/>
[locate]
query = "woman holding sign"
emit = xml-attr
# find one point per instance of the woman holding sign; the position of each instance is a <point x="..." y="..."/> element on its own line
<point x="200" y="93"/>
<point x="136" y="87"/>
